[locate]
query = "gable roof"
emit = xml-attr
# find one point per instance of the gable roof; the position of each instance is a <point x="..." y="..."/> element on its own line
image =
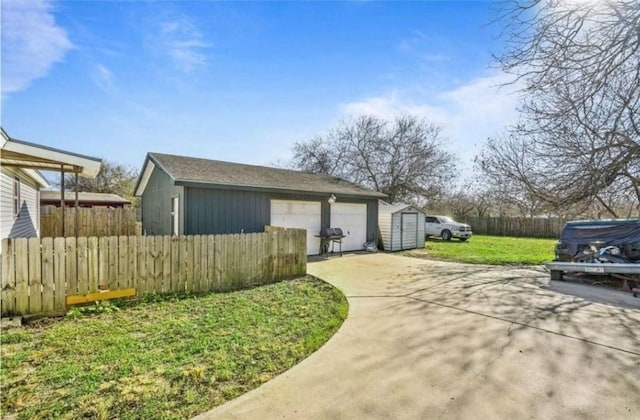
<point x="215" y="172"/>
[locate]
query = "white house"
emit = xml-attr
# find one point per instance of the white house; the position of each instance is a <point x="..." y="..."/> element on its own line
<point x="21" y="181"/>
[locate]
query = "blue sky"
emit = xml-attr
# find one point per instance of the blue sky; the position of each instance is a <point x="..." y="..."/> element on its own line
<point x="242" y="81"/>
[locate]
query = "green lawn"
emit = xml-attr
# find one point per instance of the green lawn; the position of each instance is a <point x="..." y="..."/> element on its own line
<point x="496" y="250"/>
<point x="172" y="358"/>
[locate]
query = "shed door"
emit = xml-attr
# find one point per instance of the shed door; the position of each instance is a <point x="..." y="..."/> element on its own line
<point x="352" y="219"/>
<point x="299" y="214"/>
<point x="409" y="232"/>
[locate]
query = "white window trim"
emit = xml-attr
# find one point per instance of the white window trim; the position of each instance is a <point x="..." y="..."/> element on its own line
<point x="175" y="215"/>
<point x="16" y="197"/>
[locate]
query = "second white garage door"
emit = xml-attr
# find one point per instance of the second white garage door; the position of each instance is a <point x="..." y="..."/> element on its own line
<point x="352" y="219"/>
<point x="299" y="214"/>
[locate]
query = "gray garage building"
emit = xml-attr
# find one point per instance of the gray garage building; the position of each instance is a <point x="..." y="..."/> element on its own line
<point x="401" y="226"/>
<point x="192" y="196"/>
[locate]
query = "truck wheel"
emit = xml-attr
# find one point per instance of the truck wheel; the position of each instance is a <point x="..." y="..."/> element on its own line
<point x="557" y="275"/>
<point x="446" y="235"/>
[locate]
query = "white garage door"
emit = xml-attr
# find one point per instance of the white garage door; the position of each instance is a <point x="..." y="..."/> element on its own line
<point x="352" y="219"/>
<point x="299" y="214"/>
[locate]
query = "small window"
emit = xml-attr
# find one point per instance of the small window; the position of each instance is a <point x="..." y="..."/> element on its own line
<point x="175" y="221"/>
<point x="16" y="197"/>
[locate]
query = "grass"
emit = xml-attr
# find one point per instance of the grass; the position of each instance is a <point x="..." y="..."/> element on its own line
<point x="494" y="250"/>
<point x="165" y="359"/>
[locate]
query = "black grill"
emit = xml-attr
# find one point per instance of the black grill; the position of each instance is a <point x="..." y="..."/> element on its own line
<point x="330" y="236"/>
<point x="331" y="232"/>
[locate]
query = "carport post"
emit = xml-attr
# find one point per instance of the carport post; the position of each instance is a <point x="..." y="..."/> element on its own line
<point x="76" y="206"/>
<point x="62" y="199"/>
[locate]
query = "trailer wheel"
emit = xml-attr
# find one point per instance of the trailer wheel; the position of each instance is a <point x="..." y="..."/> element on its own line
<point x="557" y="275"/>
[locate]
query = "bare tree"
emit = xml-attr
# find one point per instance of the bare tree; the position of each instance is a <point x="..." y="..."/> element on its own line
<point x="112" y="178"/>
<point x="403" y="159"/>
<point x="579" y="135"/>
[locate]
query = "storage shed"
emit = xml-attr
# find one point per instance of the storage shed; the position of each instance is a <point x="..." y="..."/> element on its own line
<point x="401" y="226"/>
<point x="183" y="195"/>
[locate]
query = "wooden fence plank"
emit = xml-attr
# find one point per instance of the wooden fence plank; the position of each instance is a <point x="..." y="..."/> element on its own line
<point x="141" y="284"/>
<point x="112" y="276"/>
<point x="158" y="265"/>
<point x="232" y="267"/>
<point x="188" y="264"/>
<point x="123" y="262"/>
<point x="35" y="275"/>
<point x="132" y="259"/>
<point x="260" y="257"/>
<point x="103" y="263"/>
<point x="92" y="265"/>
<point x="184" y="263"/>
<point x="166" y="263"/>
<point x="211" y="262"/>
<point x="150" y="259"/>
<point x="71" y="260"/>
<point x="48" y="276"/>
<point x="196" y="266"/>
<point x="22" y="275"/>
<point x="59" y="268"/>
<point x="175" y="263"/>
<point x="83" y="266"/>
<point x="203" y="280"/>
<point x="219" y="261"/>
<point x="92" y="297"/>
<point x="8" y="277"/>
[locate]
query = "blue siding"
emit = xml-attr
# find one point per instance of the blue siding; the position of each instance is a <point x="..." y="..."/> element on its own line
<point x="156" y="203"/>
<point x="209" y="211"/>
<point x="220" y="211"/>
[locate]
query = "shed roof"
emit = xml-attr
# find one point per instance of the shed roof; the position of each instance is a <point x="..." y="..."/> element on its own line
<point x="84" y="197"/>
<point x="394" y="208"/>
<point x="215" y="172"/>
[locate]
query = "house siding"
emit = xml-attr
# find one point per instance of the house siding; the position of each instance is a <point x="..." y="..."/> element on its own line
<point x="27" y="224"/>
<point x="156" y="204"/>
<point x="221" y="211"/>
<point x="225" y="211"/>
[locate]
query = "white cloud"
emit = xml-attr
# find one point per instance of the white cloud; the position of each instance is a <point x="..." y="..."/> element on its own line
<point x="183" y="42"/>
<point x="470" y="113"/>
<point x="392" y="105"/>
<point x="32" y="43"/>
<point x="103" y="77"/>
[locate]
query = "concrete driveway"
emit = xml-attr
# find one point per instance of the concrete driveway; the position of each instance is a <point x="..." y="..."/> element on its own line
<point x="427" y="339"/>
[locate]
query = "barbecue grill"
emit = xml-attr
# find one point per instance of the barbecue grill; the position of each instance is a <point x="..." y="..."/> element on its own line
<point x="330" y="236"/>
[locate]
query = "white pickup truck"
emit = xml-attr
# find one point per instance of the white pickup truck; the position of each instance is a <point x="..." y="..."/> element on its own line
<point x="446" y="228"/>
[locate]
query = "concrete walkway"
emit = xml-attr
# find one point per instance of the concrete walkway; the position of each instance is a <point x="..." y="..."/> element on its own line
<point x="428" y="339"/>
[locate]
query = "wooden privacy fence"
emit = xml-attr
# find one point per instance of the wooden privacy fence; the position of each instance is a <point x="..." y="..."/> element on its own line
<point x="516" y="226"/>
<point x="91" y="222"/>
<point x="39" y="274"/>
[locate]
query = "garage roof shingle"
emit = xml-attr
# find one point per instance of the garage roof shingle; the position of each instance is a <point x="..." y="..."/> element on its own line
<point x="216" y="172"/>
